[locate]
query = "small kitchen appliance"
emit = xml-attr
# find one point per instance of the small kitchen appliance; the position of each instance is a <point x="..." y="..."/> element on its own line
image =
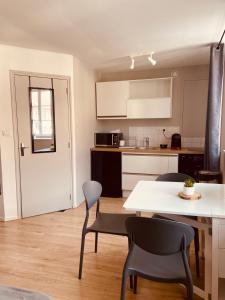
<point x="163" y="146"/>
<point x="176" y="141"/>
<point x="108" y="139"/>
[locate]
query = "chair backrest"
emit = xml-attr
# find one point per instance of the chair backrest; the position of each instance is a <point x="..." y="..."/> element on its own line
<point x="92" y="191"/>
<point x="176" y="177"/>
<point x="158" y="236"/>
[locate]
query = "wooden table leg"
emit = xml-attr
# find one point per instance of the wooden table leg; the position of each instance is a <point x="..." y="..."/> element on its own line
<point x="208" y="263"/>
<point x="215" y="269"/>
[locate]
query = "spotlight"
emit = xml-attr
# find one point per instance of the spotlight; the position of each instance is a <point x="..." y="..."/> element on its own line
<point x="132" y="63"/>
<point x="152" y="61"/>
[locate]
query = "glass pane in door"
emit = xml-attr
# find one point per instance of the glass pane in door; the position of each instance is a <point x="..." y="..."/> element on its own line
<point x="42" y="120"/>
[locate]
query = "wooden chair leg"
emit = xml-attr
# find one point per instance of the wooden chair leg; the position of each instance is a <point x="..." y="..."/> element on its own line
<point x="81" y="254"/>
<point x="196" y="244"/>
<point x="131" y="282"/>
<point x="190" y="295"/>
<point x="135" y="284"/>
<point x="96" y="242"/>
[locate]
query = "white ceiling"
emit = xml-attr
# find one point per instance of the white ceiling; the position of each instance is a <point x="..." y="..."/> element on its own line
<point x="103" y="33"/>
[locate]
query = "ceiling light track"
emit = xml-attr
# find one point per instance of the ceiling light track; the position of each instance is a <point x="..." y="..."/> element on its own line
<point x="218" y="46"/>
<point x="132" y="63"/>
<point x="151" y="59"/>
<point x="149" y="56"/>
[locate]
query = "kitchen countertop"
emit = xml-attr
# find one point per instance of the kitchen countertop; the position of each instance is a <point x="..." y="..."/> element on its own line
<point x="153" y="150"/>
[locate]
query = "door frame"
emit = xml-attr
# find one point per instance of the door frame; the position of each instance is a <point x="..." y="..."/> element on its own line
<point x="12" y="74"/>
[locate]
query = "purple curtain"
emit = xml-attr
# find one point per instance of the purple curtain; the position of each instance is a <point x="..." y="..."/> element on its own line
<point x="214" y="109"/>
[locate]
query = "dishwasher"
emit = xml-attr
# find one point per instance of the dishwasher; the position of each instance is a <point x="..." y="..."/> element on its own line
<point x="190" y="164"/>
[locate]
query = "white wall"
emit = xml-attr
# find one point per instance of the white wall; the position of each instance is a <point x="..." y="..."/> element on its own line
<point x="1" y="191"/>
<point x="85" y="122"/>
<point x="22" y="59"/>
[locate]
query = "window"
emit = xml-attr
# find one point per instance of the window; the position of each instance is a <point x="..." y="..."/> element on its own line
<point x="42" y="120"/>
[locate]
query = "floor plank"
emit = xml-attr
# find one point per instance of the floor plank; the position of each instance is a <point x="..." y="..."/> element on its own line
<point x="42" y="253"/>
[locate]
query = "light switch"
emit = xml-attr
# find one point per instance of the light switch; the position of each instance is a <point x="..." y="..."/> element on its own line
<point x="6" y="133"/>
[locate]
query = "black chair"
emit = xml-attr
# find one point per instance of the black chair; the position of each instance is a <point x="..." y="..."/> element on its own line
<point x="158" y="252"/>
<point x="104" y="223"/>
<point x="180" y="177"/>
<point x="173" y="177"/>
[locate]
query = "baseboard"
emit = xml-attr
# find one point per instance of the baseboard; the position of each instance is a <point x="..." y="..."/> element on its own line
<point x="2" y="219"/>
<point x="126" y="193"/>
<point x="77" y="203"/>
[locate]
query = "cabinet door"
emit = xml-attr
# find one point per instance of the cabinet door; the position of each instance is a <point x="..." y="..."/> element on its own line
<point x="173" y="164"/>
<point x="130" y="180"/>
<point x="150" y="99"/>
<point x="145" y="164"/>
<point x="112" y="99"/>
<point x="191" y="164"/>
<point x="153" y="108"/>
<point x="106" y="169"/>
<point x="97" y="158"/>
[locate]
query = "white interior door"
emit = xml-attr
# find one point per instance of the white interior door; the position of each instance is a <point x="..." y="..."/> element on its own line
<point x="44" y="143"/>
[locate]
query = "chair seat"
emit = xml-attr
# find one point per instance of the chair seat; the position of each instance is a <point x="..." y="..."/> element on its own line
<point x="110" y="223"/>
<point x="168" y="268"/>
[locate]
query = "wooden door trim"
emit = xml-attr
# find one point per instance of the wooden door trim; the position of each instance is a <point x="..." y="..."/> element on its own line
<point x="12" y="74"/>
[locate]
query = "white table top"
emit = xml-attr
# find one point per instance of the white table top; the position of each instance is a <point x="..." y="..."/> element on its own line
<point x="162" y="197"/>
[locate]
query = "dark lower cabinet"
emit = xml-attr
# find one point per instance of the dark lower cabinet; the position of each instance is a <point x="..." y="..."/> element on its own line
<point x="191" y="164"/>
<point x="106" y="169"/>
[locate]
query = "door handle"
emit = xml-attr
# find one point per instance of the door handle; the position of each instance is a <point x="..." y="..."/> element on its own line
<point x="22" y="147"/>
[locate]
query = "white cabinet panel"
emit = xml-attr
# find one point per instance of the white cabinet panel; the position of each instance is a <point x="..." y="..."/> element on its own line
<point x="136" y="167"/>
<point x="173" y="164"/>
<point x="151" y="88"/>
<point x="222" y="263"/>
<point x="222" y="236"/>
<point x="130" y="180"/>
<point x="145" y="164"/>
<point x="112" y="98"/>
<point x="149" y="108"/>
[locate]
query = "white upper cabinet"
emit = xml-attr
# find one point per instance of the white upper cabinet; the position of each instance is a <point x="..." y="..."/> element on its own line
<point x="135" y="99"/>
<point x="154" y="108"/>
<point x="150" y="98"/>
<point x="112" y="99"/>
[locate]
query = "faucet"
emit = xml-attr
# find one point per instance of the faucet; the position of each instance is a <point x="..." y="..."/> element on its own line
<point x="146" y="142"/>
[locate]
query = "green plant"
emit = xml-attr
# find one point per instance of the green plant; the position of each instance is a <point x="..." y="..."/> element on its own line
<point x="189" y="182"/>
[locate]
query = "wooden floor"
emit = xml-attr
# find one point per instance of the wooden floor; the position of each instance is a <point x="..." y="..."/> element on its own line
<point x="42" y="253"/>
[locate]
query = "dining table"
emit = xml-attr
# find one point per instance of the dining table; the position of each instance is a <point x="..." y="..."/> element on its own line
<point x="163" y="198"/>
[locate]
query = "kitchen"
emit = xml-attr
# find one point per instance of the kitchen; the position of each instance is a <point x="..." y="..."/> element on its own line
<point x="187" y="88"/>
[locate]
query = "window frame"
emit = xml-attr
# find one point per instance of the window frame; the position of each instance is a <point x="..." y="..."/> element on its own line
<point x="53" y="119"/>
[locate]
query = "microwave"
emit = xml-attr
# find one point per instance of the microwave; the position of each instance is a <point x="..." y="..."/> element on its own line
<point x="104" y="139"/>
